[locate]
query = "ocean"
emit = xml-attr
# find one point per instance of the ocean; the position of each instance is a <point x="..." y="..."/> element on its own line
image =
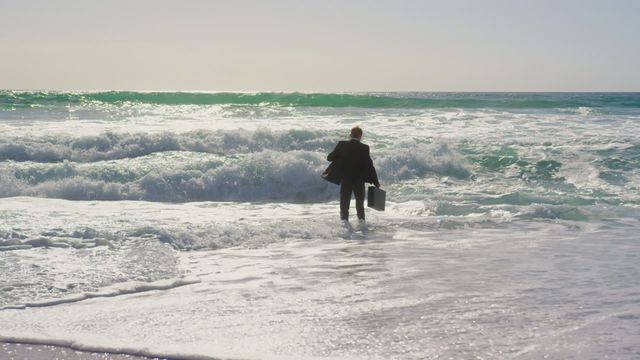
<point x="196" y="225"/>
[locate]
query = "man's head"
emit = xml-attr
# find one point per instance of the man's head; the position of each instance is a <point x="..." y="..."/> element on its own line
<point x="356" y="132"/>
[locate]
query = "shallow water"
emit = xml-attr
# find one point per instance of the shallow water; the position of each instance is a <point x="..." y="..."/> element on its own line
<point x="186" y="225"/>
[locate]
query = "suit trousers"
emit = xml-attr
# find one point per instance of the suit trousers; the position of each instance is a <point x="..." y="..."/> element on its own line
<point x="346" y="188"/>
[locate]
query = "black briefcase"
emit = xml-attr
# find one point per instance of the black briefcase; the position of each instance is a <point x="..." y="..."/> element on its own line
<point x="376" y="198"/>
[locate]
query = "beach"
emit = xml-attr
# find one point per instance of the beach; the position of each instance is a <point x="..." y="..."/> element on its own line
<point x="43" y="352"/>
<point x="196" y="225"/>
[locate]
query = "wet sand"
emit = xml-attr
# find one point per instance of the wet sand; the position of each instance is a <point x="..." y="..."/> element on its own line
<point x="10" y="351"/>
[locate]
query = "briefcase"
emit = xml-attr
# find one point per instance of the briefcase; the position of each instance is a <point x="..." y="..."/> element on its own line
<point x="376" y="198"/>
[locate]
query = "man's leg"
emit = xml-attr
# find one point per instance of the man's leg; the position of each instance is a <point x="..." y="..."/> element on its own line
<point x="358" y="191"/>
<point x="345" y="199"/>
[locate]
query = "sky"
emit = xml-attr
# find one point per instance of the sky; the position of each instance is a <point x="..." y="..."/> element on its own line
<point x="320" y="46"/>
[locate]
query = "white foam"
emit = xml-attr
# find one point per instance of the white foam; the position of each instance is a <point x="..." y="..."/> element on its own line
<point x="94" y="346"/>
<point x="114" y="145"/>
<point x="291" y="176"/>
<point x="370" y="298"/>
<point x="111" y="291"/>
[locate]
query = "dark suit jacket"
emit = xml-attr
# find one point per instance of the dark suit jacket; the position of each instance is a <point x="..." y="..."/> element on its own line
<point x="351" y="162"/>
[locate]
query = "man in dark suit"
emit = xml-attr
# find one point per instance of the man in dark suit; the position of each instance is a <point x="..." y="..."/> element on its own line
<point x="353" y="166"/>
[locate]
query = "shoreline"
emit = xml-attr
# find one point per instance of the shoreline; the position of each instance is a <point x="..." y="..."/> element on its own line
<point x="24" y="351"/>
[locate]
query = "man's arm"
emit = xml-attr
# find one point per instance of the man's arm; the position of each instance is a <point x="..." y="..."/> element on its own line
<point x="333" y="156"/>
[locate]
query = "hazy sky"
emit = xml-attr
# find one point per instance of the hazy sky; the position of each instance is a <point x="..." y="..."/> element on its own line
<point x="321" y="45"/>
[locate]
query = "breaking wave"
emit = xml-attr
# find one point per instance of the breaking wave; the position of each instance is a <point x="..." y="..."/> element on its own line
<point x="110" y="145"/>
<point x="291" y="176"/>
<point x="27" y="99"/>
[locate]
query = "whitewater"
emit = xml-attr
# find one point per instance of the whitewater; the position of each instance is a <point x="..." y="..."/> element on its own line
<point x="196" y="225"/>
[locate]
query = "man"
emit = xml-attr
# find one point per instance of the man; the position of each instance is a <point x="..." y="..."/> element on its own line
<point x="353" y="167"/>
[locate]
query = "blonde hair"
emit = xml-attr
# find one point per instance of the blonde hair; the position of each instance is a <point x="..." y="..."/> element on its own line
<point x="356" y="131"/>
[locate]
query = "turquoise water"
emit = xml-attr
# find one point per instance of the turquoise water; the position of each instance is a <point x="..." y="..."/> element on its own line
<point x="26" y="99"/>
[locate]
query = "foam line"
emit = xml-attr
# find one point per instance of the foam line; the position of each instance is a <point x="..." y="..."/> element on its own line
<point x="109" y="349"/>
<point x="115" y="290"/>
<point x="15" y="247"/>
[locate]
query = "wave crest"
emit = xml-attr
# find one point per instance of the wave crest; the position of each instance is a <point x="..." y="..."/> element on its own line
<point x="111" y="146"/>
<point x="417" y="161"/>
<point x="29" y="99"/>
<point x="291" y="176"/>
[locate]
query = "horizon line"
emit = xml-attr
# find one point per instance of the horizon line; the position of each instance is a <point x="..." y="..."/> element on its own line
<point x="329" y="92"/>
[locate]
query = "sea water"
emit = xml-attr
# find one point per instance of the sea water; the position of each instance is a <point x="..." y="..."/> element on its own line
<point x="197" y="224"/>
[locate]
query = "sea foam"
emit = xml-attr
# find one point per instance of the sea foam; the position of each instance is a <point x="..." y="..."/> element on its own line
<point x="112" y="145"/>
<point x="291" y="176"/>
